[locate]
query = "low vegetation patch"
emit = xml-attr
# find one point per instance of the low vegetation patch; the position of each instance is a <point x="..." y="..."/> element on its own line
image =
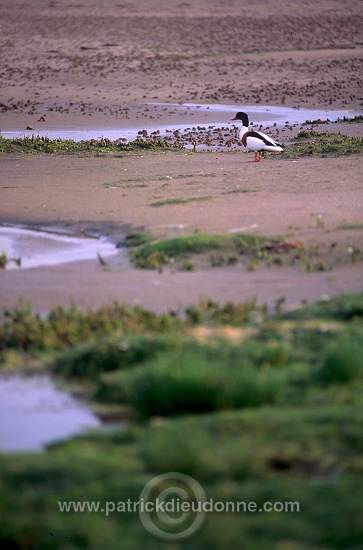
<point x="239" y="190"/>
<point x="138" y="239"/>
<point x="350" y="120"/>
<point x="348" y="226"/>
<point x="187" y="253"/>
<point x="342" y="363"/>
<point x="183" y="382"/>
<point x="323" y="144"/>
<point x="154" y="255"/>
<point x="311" y="134"/>
<point x="180" y="200"/>
<point x="41" y="144"/>
<point x="20" y="329"/>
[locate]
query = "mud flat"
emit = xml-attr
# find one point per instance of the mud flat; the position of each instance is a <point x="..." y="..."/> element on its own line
<point x="317" y="201"/>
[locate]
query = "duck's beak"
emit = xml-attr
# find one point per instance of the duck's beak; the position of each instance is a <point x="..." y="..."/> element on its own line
<point x="234" y="118"/>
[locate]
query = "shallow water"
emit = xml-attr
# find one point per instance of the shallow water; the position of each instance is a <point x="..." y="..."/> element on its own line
<point x="267" y="114"/>
<point x="41" y="248"/>
<point x="34" y="413"/>
<point x="217" y="116"/>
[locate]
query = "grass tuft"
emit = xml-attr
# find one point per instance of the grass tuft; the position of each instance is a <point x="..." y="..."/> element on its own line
<point x="155" y="254"/>
<point x="184" y="382"/>
<point x="343" y="363"/>
<point x="138" y="239"/>
<point x="180" y="200"/>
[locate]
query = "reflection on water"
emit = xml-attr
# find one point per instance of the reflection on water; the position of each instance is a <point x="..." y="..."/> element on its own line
<point x="40" y="248"/>
<point x="217" y="115"/>
<point x="33" y="413"/>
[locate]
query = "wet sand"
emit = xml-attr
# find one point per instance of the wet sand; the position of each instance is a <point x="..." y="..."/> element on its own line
<point x="73" y="67"/>
<point x="306" y="200"/>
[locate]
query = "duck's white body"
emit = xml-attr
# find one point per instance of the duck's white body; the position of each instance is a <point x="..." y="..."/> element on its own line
<point x="255" y="141"/>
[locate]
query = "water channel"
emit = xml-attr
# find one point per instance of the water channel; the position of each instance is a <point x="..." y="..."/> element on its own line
<point x="217" y="116"/>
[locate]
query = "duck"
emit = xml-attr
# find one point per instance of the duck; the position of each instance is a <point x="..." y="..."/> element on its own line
<point x="255" y="141"/>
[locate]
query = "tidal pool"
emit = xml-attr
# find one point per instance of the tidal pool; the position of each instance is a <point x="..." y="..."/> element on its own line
<point x="27" y="248"/>
<point x="34" y="413"/>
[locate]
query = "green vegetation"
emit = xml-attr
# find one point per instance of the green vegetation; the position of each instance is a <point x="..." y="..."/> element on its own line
<point x="350" y="226"/>
<point x="308" y="134"/>
<point x="183" y="382"/>
<point x="215" y="250"/>
<point x="187" y="265"/>
<point x="19" y="329"/>
<point x="351" y="120"/>
<point x="3" y="260"/>
<point x="239" y="190"/>
<point x="342" y="363"/>
<point x="324" y="144"/>
<point x="138" y="238"/>
<point x="180" y="200"/>
<point x="156" y="254"/>
<point x="38" y="144"/>
<point x="256" y="406"/>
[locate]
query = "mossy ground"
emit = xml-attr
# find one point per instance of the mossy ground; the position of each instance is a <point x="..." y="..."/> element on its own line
<point x="256" y="406"/>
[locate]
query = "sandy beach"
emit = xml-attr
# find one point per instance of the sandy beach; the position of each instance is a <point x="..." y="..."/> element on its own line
<point x="122" y="66"/>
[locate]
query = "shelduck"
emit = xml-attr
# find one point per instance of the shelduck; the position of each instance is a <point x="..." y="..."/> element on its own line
<point x="255" y="141"/>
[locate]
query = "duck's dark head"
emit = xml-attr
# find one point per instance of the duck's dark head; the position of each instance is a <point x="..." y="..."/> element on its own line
<point x="242" y="117"/>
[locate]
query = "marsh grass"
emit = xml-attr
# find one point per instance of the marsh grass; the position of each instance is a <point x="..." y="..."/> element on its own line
<point x="311" y="452"/>
<point x="342" y="363"/>
<point x="275" y="416"/>
<point x="90" y="360"/>
<point x="138" y="239"/>
<point x="239" y="190"/>
<point x="254" y="251"/>
<point x="155" y="254"/>
<point x="350" y="120"/>
<point x="63" y="328"/>
<point x="21" y="329"/>
<point x="324" y="144"/>
<point x="4" y="259"/>
<point x="184" y="383"/>
<point x="345" y="308"/>
<point x="210" y="313"/>
<point x="42" y="144"/>
<point x="180" y="200"/>
<point x="309" y="134"/>
<point x="187" y="265"/>
<point x="348" y="226"/>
